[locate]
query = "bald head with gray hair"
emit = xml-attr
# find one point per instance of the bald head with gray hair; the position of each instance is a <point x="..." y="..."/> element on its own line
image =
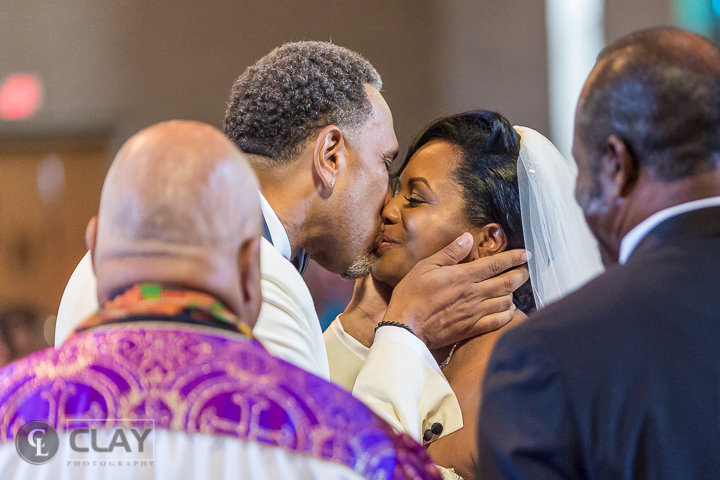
<point x="659" y="90"/>
<point x="180" y="205"/>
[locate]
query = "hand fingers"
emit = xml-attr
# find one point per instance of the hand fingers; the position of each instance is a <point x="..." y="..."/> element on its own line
<point x="487" y="267"/>
<point x="492" y="322"/>
<point x="453" y="253"/>
<point x="504" y="284"/>
<point x="498" y="305"/>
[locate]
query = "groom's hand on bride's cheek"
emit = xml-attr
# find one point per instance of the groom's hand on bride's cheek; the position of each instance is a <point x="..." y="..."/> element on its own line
<point x="444" y="302"/>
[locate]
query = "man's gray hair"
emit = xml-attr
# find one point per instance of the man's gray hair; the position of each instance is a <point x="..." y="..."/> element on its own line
<point x="661" y="97"/>
<point x="295" y="91"/>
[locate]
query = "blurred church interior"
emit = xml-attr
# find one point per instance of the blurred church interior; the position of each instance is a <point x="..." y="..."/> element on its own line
<point x="78" y="78"/>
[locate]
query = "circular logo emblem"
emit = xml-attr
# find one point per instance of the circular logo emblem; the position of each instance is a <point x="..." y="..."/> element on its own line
<point x="37" y="442"/>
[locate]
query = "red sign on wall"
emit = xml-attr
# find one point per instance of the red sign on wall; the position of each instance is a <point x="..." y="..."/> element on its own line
<point x="20" y="96"/>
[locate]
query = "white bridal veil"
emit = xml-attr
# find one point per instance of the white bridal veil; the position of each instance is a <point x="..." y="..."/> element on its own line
<point x="565" y="254"/>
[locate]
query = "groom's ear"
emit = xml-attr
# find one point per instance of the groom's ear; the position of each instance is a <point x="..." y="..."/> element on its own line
<point x="329" y="158"/>
<point x="490" y="240"/>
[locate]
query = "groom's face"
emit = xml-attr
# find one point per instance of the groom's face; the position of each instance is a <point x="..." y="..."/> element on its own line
<point x="365" y="189"/>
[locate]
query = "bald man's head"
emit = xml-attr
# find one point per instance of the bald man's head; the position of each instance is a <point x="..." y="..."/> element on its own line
<point x="659" y="91"/>
<point x="179" y="205"/>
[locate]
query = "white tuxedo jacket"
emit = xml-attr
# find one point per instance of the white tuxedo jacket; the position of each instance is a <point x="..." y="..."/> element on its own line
<point x="397" y="377"/>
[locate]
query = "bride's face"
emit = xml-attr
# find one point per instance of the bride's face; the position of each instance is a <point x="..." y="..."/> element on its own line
<point x="425" y="214"/>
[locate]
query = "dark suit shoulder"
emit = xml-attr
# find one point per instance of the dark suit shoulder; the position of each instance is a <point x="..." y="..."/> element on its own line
<point x="634" y="354"/>
<point x="651" y="286"/>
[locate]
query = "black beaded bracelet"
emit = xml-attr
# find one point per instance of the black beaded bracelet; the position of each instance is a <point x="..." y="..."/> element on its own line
<point x="394" y="324"/>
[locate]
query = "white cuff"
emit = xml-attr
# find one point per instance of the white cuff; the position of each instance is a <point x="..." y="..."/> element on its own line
<point x="345" y="355"/>
<point x="348" y="340"/>
<point x="404" y="337"/>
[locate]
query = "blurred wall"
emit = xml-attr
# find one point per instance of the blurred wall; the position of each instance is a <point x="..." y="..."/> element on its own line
<point x="625" y="16"/>
<point x="111" y="68"/>
<point x="77" y="51"/>
<point x="494" y="55"/>
<point x="189" y="55"/>
<point x="120" y="66"/>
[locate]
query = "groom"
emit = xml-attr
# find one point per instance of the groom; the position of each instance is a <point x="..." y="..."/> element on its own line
<point x="621" y="379"/>
<point x="319" y="136"/>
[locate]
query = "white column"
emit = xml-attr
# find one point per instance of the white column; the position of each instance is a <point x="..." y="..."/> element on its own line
<point x="575" y="36"/>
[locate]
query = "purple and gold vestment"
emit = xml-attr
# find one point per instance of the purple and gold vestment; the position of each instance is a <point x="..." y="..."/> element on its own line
<point x="199" y="379"/>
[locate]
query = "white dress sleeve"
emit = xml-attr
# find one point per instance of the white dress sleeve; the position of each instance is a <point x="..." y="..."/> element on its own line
<point x="345" y="354"/>
<point x="401" y="381"/>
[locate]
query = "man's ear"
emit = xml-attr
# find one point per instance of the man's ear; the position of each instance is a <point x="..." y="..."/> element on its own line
<point x="250" y="275"/>
<point x="329" y="157"/>
<point x="619" y="169"/>
<point x="490" y="240"/>
<point x="91" y="238"/>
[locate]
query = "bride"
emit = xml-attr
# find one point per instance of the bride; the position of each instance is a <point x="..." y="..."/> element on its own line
<point x="510" y="188"/>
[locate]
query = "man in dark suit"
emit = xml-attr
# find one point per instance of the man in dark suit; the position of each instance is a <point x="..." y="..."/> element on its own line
<point x="622" y="378"/>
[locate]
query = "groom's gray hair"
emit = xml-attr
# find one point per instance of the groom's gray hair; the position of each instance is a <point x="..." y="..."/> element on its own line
<point x="294" y="92"/>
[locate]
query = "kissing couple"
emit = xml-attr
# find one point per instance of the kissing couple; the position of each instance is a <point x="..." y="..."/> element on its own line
<point x="438" y="253"/>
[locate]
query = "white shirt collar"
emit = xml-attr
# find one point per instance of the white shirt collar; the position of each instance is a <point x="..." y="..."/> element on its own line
<point x="635" y="236"/>
<point x="278" y="235"/>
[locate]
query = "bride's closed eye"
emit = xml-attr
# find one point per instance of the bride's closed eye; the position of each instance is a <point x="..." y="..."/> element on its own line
<point x="414" y="201"/>
<point x="419" y="192"/>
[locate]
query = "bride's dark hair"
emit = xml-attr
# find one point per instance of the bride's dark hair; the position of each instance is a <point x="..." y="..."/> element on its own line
<point x="487" y="175"/>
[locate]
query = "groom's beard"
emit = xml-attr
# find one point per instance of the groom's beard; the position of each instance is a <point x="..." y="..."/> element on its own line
<point x="359" y="268"/>
<point x="362" y="265"/>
